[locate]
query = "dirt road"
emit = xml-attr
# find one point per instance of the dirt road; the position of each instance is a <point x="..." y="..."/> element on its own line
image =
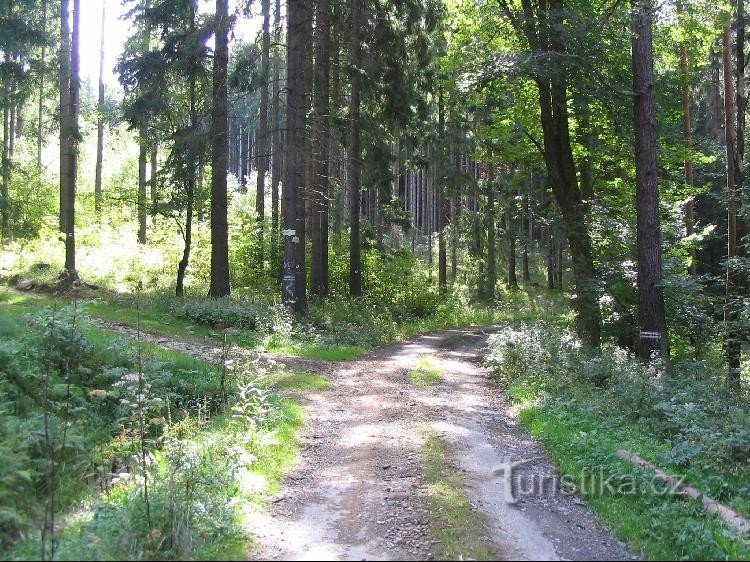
<point x="361" y="491"/>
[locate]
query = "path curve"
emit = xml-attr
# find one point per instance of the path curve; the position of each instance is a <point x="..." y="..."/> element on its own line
<point x="359" y="492"/>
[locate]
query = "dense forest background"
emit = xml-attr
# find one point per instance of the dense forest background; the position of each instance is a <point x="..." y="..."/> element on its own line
<point x="336" y="169"/>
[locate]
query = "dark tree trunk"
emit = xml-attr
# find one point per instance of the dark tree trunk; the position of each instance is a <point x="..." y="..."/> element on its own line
<point x="550" y="262"/>
<point x="489" y="226"/>
<point x="442" y="210"/>
<point x="71" y="154"/>
<point x="687" y="133"/>
<point x="100" y="122"/>
<point x="525" y="267"/>
<point x="143" y="151"/>
<point x="65" y="125"/>
<point x="651" y="315"/>
<point x="355" y="151"/>
<point x="509" y="232"/>
<point x="153" y="174"/>
<point x="42" y="73"/>
<point x="243" y="160"/>
<point x="262" y="134"/>
<point x="187" y="239"/>
<point x="195" y="160"/>
<point x="732" y="122"/>
<point x="544" y="31"/>
<point x="219" y="286"/>
<point x="293" y="292"/>
<point x="321" y="118"/>
<point x="5" y="187"/>
<point x="276" y="113"/>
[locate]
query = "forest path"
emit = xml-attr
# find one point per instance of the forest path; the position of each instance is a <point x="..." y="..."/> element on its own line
<point x="360" y="489"/>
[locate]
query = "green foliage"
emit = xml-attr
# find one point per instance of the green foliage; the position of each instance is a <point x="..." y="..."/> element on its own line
<point x="226" y="312"/>
<point x="456" y="527"/>
<point x="585" y="405"/>
<point x="426" y="373"/>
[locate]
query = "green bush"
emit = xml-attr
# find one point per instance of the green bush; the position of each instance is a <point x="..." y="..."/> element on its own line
<point x="227" y="312"/>
<point x="586" y="404"/>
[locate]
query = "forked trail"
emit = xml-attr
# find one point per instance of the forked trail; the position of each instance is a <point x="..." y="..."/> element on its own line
<point x="360" y="489"/>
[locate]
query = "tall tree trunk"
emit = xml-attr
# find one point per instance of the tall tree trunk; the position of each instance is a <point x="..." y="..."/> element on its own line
<point x="550" y="260"/>
<point x="321" y="141"/>
<point x="100" y="122"/>
<point x="143" y="148"/>
<point x="219" y="286"/>
<point x="442" y="206"/>
<point x="42" y="73"/>
<point x="187" y="239"/>
<point x="276" y="113"/>
<point x="687" y="133"/>
<point x="65" y="132"/>
<point x="527" y="229"/>
<point x="511" y="235"/>
<point x="262" y="134"/>
<point x="733" y="123"/>
<point x="153" y="174"/>
<point x="293" y="291"/>
<point x="544" y="32"/>
<point x="6" y="156"/>
<point x="651" y="314"/>
<point x="355" y="150"/>
<point x="490" y="228"/>
<point x="71" y="155"/>
<point x="243" y="156"/>
<point x="4" y="189"/>
<point x="190" y="183"/>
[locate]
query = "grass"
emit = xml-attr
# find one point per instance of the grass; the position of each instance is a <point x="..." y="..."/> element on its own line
<point x="457" y="528"/>
<point x="662" y="527"/>
<point x="106" y="526"/>
<point x="426" y="373"/>
<point x="317" y="351"/>
<point x="302" y="382"/>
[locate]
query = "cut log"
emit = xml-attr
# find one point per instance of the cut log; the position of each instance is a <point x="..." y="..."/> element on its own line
<point x="726" y="514"/>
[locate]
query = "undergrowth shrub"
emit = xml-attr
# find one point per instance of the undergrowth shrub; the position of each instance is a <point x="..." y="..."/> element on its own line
<point x="227" y="312"/>
<point x="695" y="426"/>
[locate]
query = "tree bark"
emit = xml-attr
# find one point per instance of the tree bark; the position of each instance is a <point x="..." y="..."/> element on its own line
<point x="42" y="73"/>
<point x="71" y="155"/>
<point x="544" y="32"/>
<point x="654" y="340"/>
<point x="100" y="121"/>
<point x="219" y="286"/>
<point x="152" y="176"/>
<point x="355" y="151"/>
<point x="65" y="132"/>
<point x="732" y="122"/>
<point x="320" y="184"/>
<point x="190" y="183"/>
<point x="262" y="134"/>
<point x="687" y="134"/>
<point x="293" y="292"/>
<point x="490" y="228"/>
<point x="276" y="113"/>
<point x="143" y="148"/>
<point x="511" y="235"/>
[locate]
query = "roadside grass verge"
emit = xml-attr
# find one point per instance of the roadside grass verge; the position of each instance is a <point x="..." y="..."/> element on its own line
<point x="456" y="528"/>
<point x="584" y="406"/>
<point x="333" y="330"/>
<point x="207" y="455"/>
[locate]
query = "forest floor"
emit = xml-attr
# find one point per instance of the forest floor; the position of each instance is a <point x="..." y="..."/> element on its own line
<point x="399" y="460"/>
